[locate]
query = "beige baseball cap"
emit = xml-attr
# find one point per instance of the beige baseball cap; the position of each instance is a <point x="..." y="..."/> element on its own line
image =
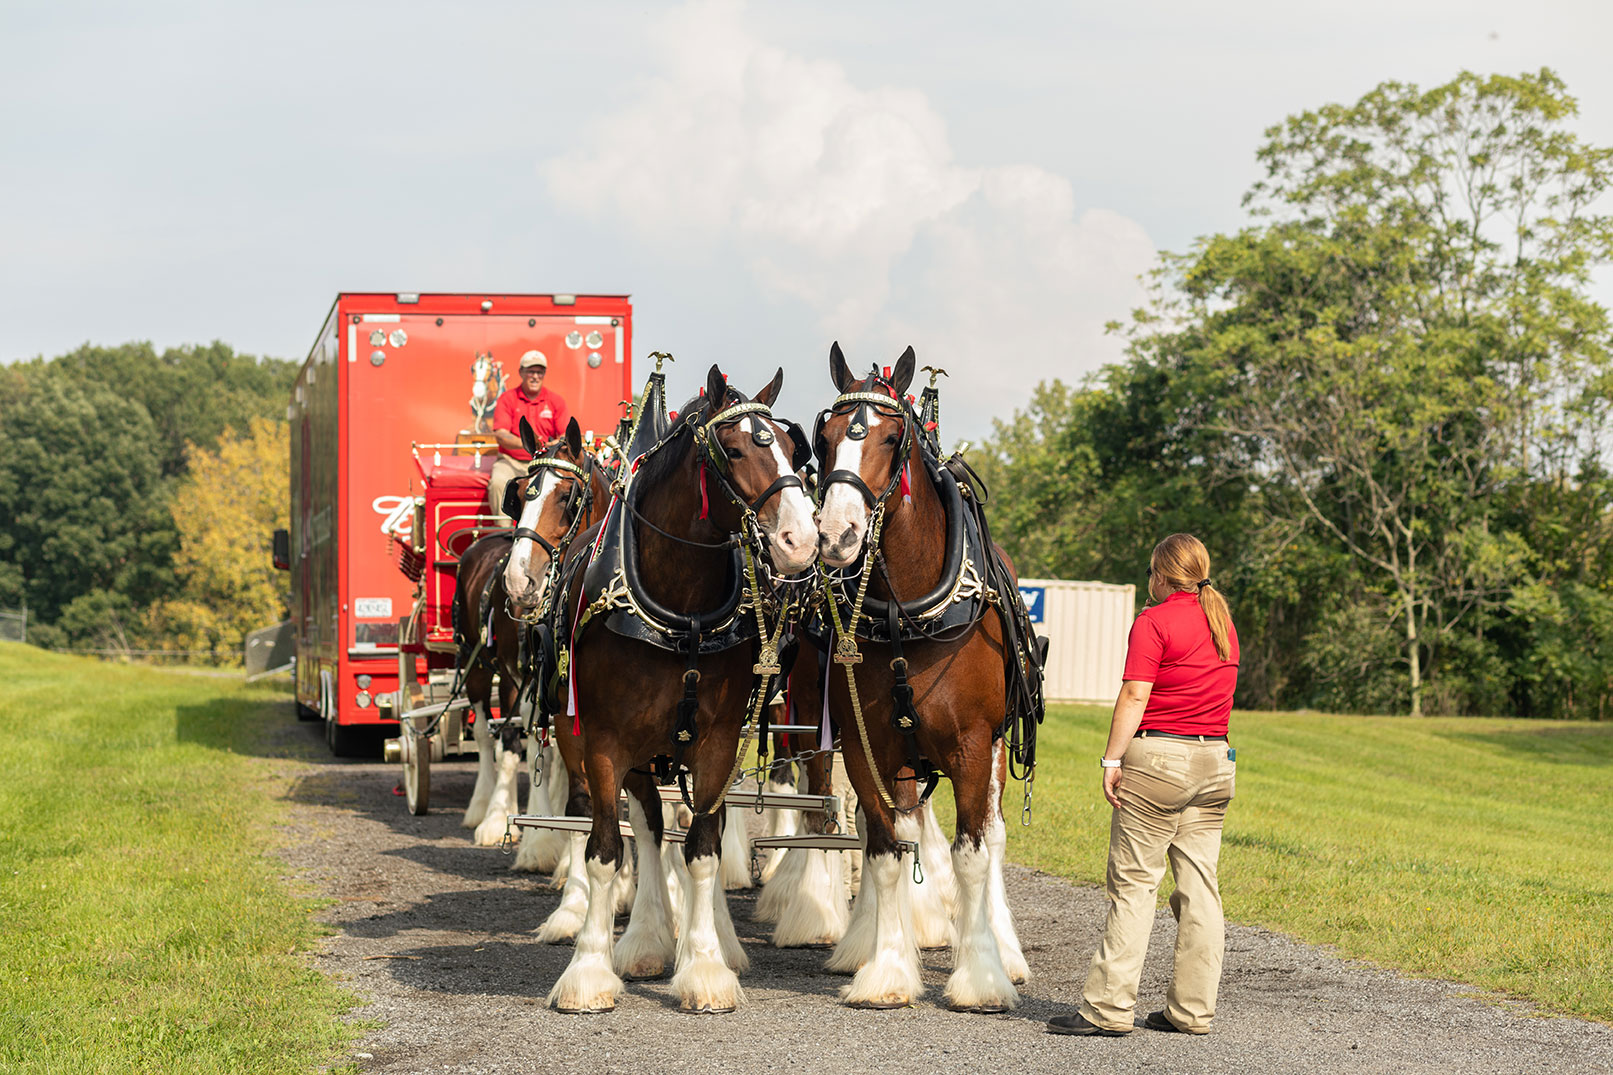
<point x="534" y="358"/>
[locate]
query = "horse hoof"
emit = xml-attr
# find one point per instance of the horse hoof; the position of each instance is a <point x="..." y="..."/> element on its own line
<point x="584" y="1011"/>
<point x="980" y="1009"/>
<point x="878" y="1005"/>
<point x="707" y="1010"/>
<point x="645" y="971"/>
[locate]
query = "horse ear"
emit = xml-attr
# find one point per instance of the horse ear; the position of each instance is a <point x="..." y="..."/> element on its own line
<point x="574" y="437"/>
<point x="839" y="372"/>
<point x="716" y="388"/>
<point x="902" y="375"/>
<point x="529" y="439"/>
<point x="770" y="393"/>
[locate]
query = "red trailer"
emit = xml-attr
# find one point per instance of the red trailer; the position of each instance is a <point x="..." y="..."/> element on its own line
<point x="398" y="387"/>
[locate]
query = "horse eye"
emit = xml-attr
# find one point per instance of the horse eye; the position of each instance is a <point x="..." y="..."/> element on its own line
<point x="735" y="453"/>
<point x="893" y="440"/>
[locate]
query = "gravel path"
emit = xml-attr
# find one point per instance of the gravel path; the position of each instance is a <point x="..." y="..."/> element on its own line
<point x="433" y="934"/>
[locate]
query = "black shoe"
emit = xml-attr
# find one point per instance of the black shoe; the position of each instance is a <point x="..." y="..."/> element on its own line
<point x="1159" y="1021"/>
<point x="1077" y="1024"/>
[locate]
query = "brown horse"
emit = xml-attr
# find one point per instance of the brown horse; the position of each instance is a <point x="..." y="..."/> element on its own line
<point x="954" y="646"/>
<point x="664" y="661"/>
<point x="562" y="492"/>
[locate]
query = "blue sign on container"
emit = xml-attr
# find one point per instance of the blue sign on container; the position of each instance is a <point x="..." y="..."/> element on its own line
<point x="1033" y="597"/>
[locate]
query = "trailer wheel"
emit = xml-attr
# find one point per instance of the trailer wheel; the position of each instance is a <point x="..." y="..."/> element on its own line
<point x="345" y="740"/>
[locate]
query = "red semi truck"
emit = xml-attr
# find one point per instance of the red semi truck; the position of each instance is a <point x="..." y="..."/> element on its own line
<point x="395" y="383"/>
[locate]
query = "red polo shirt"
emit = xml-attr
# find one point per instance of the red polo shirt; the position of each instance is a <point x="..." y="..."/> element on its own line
<point x="1171" y="647"/>
<point x="546" y="412"/>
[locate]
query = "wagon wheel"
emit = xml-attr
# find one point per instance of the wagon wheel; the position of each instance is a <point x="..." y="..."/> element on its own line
<point x="417" y="768"/>
<point x="416" y="750"/>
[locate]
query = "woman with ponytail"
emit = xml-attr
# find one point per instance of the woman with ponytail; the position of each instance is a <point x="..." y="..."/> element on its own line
<point x="1169" y="774"/>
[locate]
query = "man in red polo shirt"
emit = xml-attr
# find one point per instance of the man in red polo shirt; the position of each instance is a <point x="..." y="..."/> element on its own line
<point x="543" y="409"/>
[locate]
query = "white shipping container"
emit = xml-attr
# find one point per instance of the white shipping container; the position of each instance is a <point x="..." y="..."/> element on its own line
<point x="1087" y="624"/>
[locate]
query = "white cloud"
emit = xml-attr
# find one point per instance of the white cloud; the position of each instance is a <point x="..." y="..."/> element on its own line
<point x="848" y="200"/>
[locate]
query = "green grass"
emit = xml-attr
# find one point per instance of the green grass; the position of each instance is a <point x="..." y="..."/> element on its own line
<point x="146" y="924"/>
<point x="1479" y="850"/>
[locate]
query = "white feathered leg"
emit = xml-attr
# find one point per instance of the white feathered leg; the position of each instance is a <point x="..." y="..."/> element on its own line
<point x="850" y="819"/>
<point x="736" y="850"/>
<point x="626" y="886"/>
<point x="811" y="895"/>
<point x="1001" y="918"/>
<point x="503" y="802"/>
<point x="704" y="982"/>
<point x="675" y="870"/>
<point x="935" y="901"/>
<point x="564" y="922"/>
<point x="856" y="947"/>
<point x="779" y="823"/>
<point x="647" y="945"/>
<point x="485" y="775"/>
<point x="733" y="953"/>
<point x="978" y="982"/>
<point x="589" y="984"/>
<point x="890" y="979"/>
<point x="541" y="849"/>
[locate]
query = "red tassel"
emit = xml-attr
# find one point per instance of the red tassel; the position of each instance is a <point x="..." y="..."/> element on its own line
<point x="704" y="506"/>
<point x="576" y="724"/>
<point x="907" y="489"/>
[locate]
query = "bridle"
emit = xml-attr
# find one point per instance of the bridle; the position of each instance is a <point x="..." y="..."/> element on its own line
<point x="713" y="455"/>
<point x="578" y="501"/>
<point x="858" y="403"/>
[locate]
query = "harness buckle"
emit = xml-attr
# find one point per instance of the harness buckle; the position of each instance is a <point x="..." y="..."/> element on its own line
<point x="767" y="663"/>
<point x="846" y="651"/>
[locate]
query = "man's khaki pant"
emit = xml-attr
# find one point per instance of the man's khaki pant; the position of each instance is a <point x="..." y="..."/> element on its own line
<point x="1173" y="797"/>
<point x="505" y="469"/>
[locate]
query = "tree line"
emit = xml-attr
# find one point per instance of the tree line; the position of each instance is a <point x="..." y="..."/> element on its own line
<point x="138" y="494"/>
<point x="1383" y="404"/>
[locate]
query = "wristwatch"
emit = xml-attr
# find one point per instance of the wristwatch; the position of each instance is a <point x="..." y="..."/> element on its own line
<point x="1109" y="763"/>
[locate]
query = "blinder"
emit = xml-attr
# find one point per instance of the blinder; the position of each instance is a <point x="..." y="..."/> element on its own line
<point x="802" y="453"/>
<point x="513" y="500"/>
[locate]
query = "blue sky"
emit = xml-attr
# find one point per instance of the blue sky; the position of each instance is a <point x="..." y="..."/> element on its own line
<point x="982" y="181"/>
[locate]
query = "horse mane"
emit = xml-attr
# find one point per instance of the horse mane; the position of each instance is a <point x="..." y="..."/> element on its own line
<point x="661" y="460"/>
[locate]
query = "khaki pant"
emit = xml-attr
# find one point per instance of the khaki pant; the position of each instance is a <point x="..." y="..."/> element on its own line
<point x="505" y="469"/>
<point x="1173" y="798"/>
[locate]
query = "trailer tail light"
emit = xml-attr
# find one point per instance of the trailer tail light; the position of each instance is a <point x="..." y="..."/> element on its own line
<point x="362" y="700"/>
<point x="363" y="682"/>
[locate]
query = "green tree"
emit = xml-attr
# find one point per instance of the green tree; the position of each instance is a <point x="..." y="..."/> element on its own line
<point x="1409" y="335"/>
<point x="82" y="498"/>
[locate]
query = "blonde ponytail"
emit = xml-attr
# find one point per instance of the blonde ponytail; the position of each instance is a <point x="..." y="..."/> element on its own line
<point x="1220" y="617"/>
<point x="1181" y="563"/>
